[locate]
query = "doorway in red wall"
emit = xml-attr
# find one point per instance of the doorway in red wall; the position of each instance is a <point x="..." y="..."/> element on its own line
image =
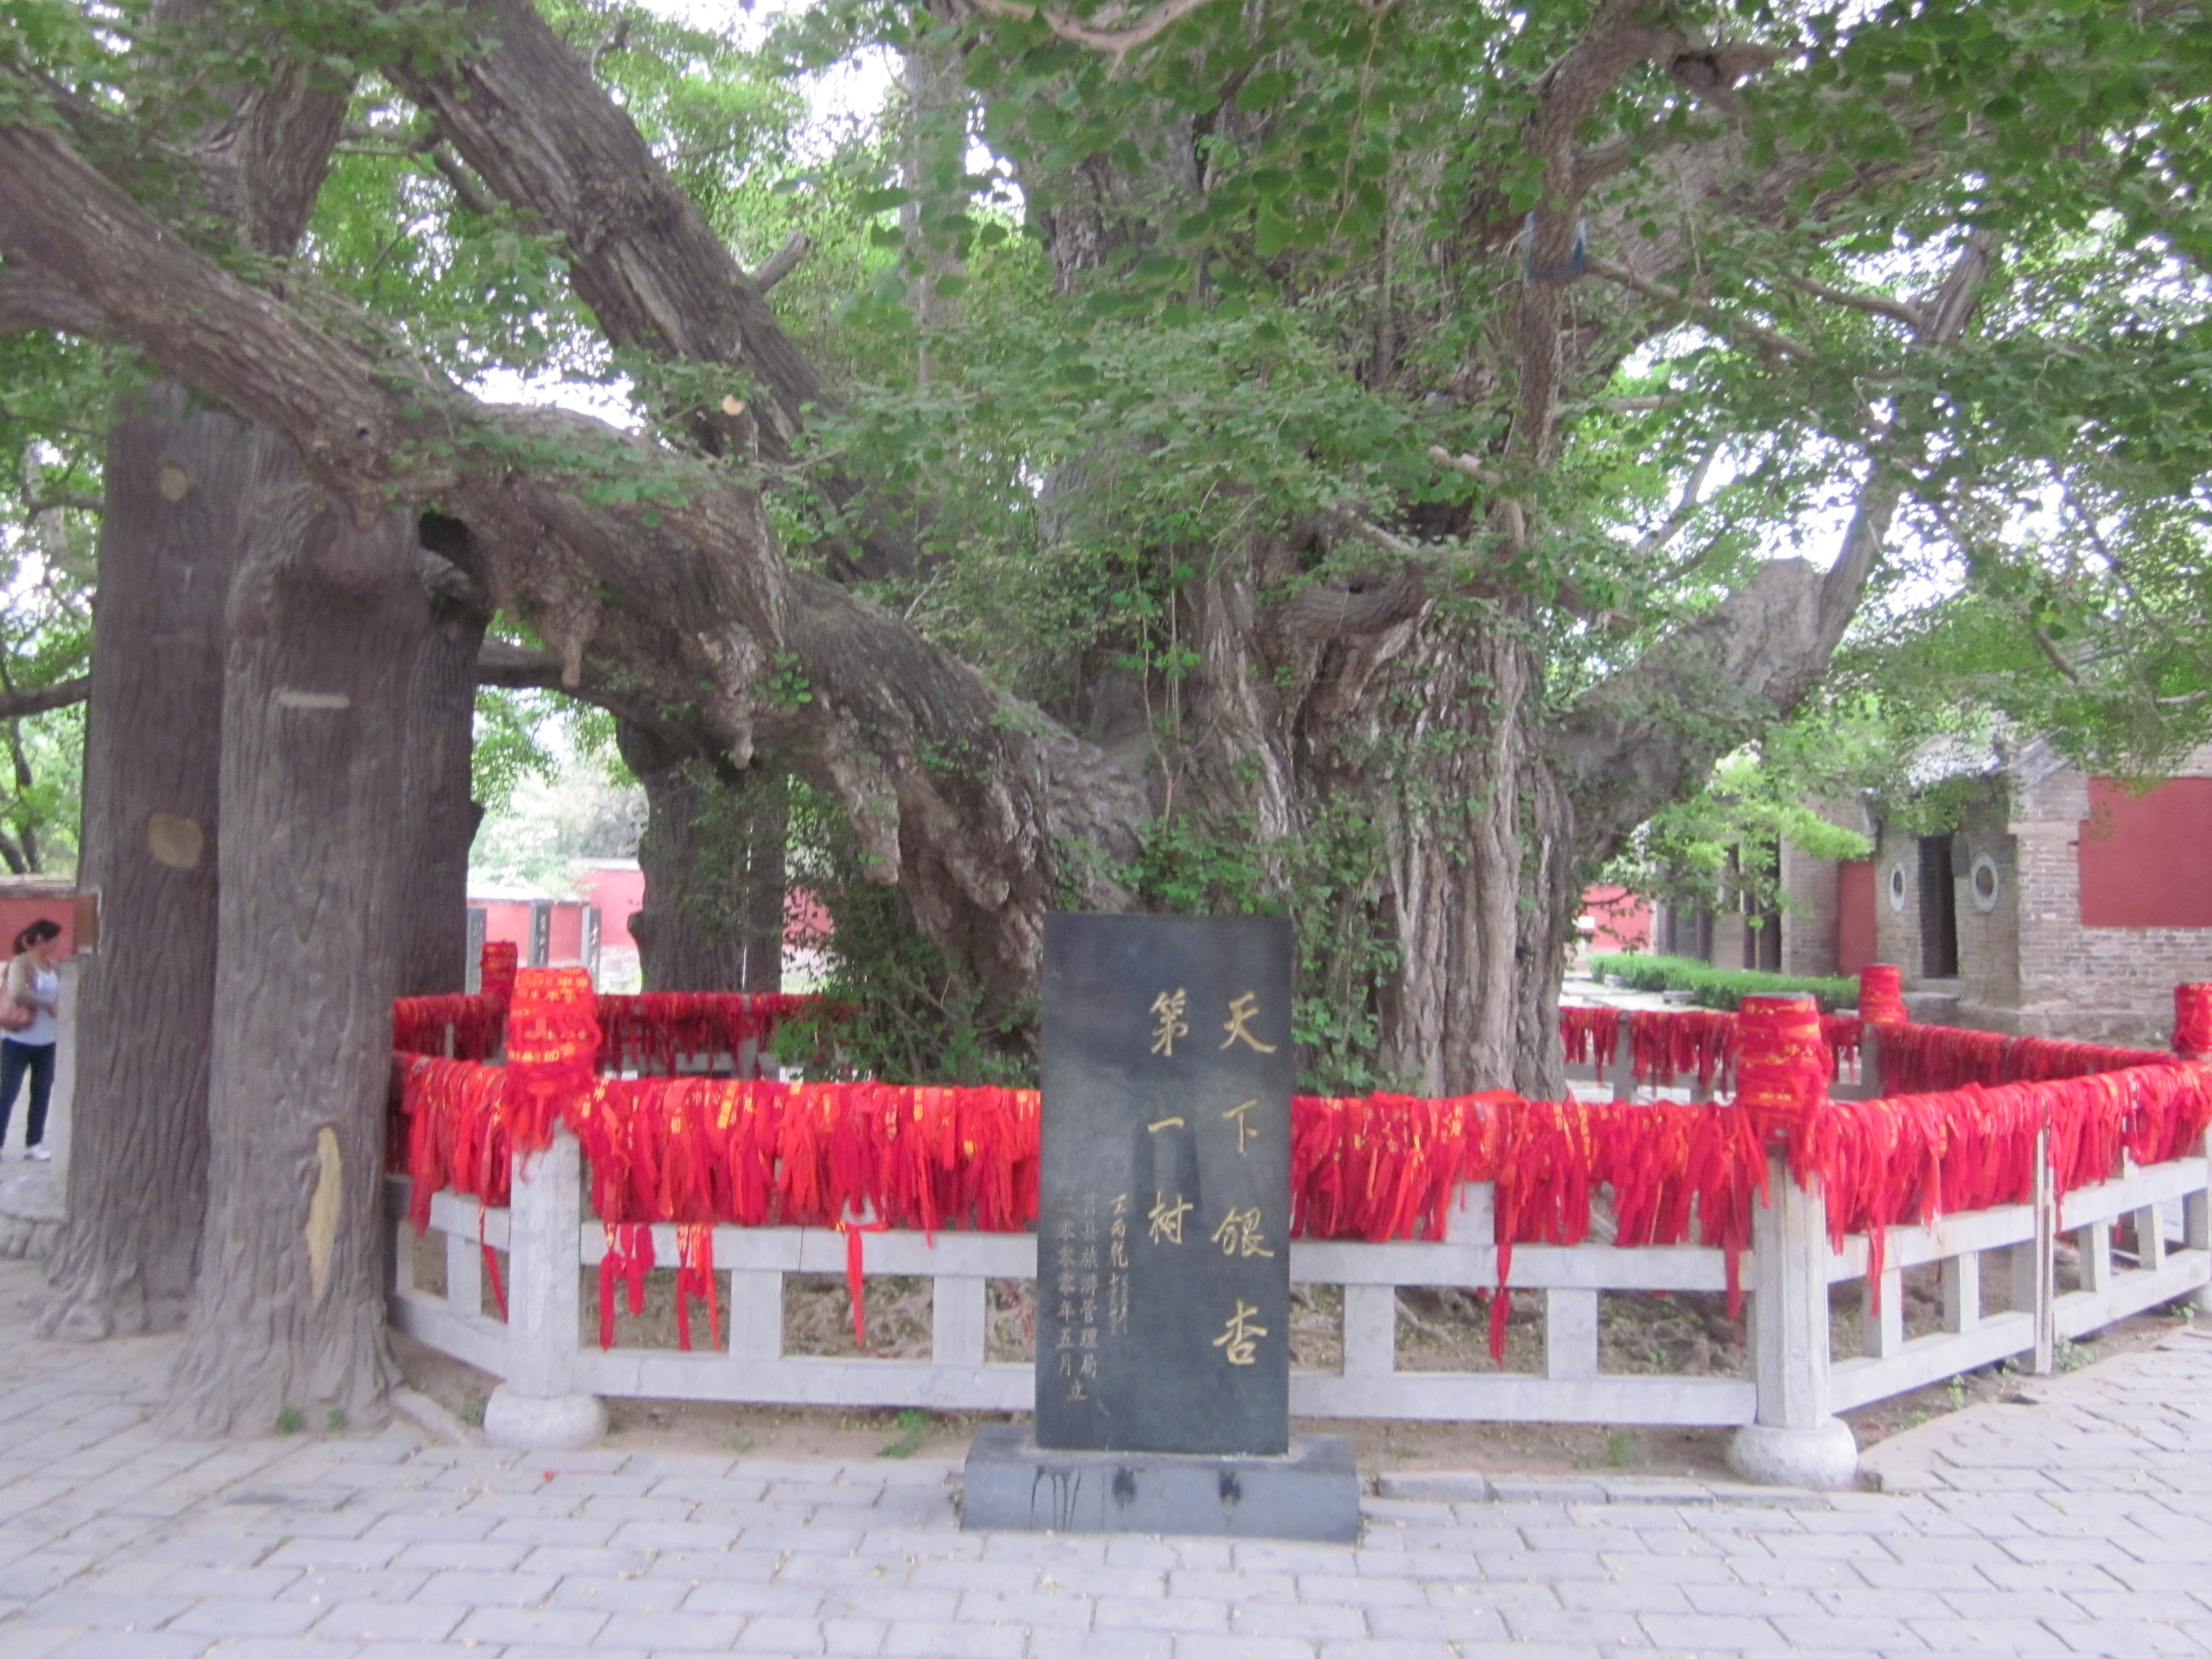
<point x="1855" y="916"/>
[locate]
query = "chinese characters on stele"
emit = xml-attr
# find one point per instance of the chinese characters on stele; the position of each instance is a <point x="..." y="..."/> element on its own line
<point x="1164" y="1210"/>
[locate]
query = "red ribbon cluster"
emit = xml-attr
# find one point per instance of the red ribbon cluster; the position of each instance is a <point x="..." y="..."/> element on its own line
<point x="636" y="1033"/>
<point x="752" y="1154"/>
<point x="1664" y="1163"/>
<point x="478" y="1024"/>
<point x="1921" y="1059"/>
<point x="497" y="963"/>
<point x="867" y="1155"/>
<point x="420" y="1025"/>
<point x="1663" y="1042"/>
<point x="1913" y="1158"/>
<point x="1881" y="995"/>
<point x="1385" y="1166"/>
<point x="2192" y="1022"/>
<point x="1590" y="1035"/>
<point x="552" y="1043"/>
<point x="455" y="1113"/>
<point x="1783" y="1061"/>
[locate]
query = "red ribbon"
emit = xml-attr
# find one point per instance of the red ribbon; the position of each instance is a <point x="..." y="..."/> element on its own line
<point x="855" y="1283"/>
<point x="490" y="1261"/>
<point x="695" y="1277"/>
<point x="627" y="1260"/>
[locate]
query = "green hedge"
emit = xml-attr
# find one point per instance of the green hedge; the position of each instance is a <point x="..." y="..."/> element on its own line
<point x="1722" y="987"/>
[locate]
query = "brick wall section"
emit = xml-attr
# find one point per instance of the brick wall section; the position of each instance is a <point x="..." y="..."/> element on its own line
<point x="1897" y="932"/>
<point x="1808" y="913"/>
<point x="1989" y="940"/>
<point x="1809" y="894"/>
<point x="2110" y="984"/>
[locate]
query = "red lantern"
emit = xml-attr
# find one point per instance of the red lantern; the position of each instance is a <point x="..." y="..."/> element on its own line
<point x="1881" y="996"/>
<point x="2192" y="1022"/>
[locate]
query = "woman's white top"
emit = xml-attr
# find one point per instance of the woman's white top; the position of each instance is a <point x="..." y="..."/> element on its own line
<point x="44" y="1030"/>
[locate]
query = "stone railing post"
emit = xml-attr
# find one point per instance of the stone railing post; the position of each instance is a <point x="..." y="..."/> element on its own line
<point x="1624" y="1060"/>
<point x="537" y="1407"/>
<point x="1796" y="1441"/>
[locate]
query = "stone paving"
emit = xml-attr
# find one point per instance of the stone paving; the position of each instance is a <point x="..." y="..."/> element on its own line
<point x="2081" y="1523"/>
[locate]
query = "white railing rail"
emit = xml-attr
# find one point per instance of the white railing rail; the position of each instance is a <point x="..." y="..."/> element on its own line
<point x="2130" y="1257"/>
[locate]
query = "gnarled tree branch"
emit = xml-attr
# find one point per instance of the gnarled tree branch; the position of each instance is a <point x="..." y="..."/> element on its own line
<point x="959" y="794"/>
<point x="526" y="115"/>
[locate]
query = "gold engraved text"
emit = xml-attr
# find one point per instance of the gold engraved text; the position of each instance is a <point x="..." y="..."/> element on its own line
<point x="1241" y="1012"/>
<point x="1239" y="1233"/>
<point x="1167" y="1216"/>
<point x="1236" y="1341"/>
<point x="1170" y="1007"/>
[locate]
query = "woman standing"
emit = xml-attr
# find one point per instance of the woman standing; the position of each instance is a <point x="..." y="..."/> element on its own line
<point x="35" y="988"/>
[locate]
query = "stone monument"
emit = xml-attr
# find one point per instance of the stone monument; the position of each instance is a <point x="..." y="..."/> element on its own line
<point x="1163" y="1260"/>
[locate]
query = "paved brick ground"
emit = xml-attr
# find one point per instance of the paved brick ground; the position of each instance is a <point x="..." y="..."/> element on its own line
<point x="2079" y="1524"/>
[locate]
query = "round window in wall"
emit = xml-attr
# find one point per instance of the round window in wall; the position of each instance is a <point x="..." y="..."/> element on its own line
<point x="1983" y="881"/>
<point x="1897" y="887"/>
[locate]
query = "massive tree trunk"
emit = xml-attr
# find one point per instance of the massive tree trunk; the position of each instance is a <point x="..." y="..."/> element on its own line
<point x="329" y="622"/>
<point x="433" y="939"/>
<point x="713" y="855"/>
<point x="176" y="488"/>
<point x="176" y="485"/>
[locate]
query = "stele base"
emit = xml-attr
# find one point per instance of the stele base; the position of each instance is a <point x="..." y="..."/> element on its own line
<point x="1013" y="1485"/>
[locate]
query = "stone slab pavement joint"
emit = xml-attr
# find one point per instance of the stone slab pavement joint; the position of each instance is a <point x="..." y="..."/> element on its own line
<point x="2081" y="1523"/>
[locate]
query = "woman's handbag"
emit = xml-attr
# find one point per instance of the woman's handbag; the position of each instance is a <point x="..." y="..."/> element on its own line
<point x="16" y="1015"/>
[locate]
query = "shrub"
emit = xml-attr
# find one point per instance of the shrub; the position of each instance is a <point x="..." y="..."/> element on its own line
<point x="1724" y="987"/>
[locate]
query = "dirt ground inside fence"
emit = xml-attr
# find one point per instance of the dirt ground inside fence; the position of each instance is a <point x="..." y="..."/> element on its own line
<point x="1440" y="1327"/>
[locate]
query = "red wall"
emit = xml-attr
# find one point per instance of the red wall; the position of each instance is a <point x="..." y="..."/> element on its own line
<point x="1621" y="919"/>
<point x="620" y="894"/>
<point x="564" y="935"/>
<point x="508" y="924"/>
<point x="1855" y="916"/>
<point x="2146" y="859"/>
<point x="17" y="913"/>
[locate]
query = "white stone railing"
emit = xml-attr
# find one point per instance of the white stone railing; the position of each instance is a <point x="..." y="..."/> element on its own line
<point x="555" y="1377"/>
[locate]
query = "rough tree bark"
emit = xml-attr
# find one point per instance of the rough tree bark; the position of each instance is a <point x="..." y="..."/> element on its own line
<point x="168" y="546"/>
<point x="329" y="622"/>
<point x="713" y="855"/>
<point x="441" y="708"/>
<point x="176" y="488"/>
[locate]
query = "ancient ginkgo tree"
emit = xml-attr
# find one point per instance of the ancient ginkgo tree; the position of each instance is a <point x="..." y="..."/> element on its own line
<point x="1330" y="457"/>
